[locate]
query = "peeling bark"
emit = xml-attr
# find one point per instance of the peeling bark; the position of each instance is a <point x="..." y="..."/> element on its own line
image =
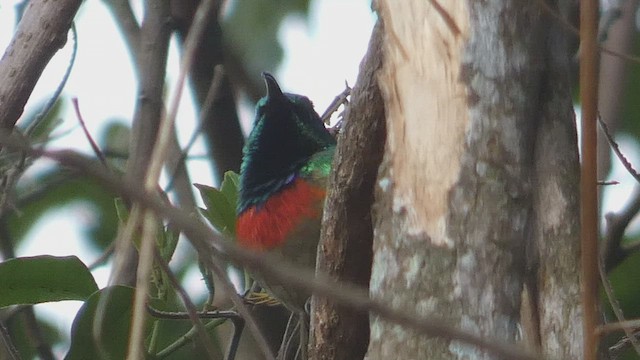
<point x="477" y="196"/>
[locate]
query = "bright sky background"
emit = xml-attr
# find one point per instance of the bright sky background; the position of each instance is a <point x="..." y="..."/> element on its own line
<point x="321" y="54"/>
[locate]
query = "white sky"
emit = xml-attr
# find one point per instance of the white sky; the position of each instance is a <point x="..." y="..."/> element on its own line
<point x="319" y="56"/>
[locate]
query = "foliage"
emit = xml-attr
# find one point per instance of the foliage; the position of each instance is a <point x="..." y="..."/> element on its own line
<point x="220" y="205"/>
<point x="33" y="280"/>
<point x="114" y="319"/>
<point x="624" y="278"/>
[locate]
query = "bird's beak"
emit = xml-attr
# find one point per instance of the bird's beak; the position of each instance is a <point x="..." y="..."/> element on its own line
<point x="273" y="89"/>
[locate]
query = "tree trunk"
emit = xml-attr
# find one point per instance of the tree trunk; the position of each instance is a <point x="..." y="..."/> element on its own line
<point x="476" y="216"/>
<point x="344" y="253"/>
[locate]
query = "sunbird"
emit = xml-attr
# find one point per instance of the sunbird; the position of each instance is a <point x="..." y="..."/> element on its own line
<point x="283" y="178"/>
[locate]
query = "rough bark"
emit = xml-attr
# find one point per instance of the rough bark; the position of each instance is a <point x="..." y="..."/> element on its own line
<point x="41" y="32"/>
<point x="347" y="235"/>
<point x="477" y="197"/>
<point x="556" y="203"/>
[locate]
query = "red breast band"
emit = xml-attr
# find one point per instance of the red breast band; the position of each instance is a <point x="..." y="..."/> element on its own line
<point x="267" y="226"/>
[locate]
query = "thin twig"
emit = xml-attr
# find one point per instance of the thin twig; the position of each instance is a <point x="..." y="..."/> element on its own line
<point x="35" y="335"/>
<point x="171" y="315"/>
<point x="102" y="258"/>
<point x="218" y="74"/>
<point x="573" y="30"/>
<point x="56" y="94"/>
<point x="7" y="344"/>
<point x="608" y="182"/>
<point x="615" y="306"/>
<point x="188" y="304"/>
<point x="589" y="175"/>
<point x="617" y="326"/>
<point x="341" y="99"/>
<point x="87" y="134"/>
<point x="127" y="22"/>
<point x="613" y="253"/>
<point x="236" y="320"/>
<point x="219" y="318"/>
<point x="622" y="344"/>
<point x="616" y="149"/>
<point x="153" y="172"/>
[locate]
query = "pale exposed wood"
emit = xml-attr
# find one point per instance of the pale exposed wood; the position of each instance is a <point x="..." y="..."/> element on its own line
<point x="427" y="119"/>
<point x="426" y="107"/>
<point x="477" y="192"/>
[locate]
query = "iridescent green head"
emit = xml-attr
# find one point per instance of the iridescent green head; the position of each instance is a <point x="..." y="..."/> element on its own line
<point x="287" y="131"/>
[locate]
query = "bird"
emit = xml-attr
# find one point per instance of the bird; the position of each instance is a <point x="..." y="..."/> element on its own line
<point x="283" y="182"/>
<point x="283" y="177"/>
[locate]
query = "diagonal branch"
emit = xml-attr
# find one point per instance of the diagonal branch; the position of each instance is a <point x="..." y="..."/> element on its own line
<point x="30" y="51"/>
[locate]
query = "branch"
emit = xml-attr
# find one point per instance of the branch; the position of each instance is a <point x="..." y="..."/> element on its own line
<point x="616" y="149"/>
<point x="613" y="253"/>
<point x="345" y="251"/>
<point x="188" y="304"/>
<point x="157" y="15"/>
<point x="589" y="176"/>
<point x="87" y="134"/>
<point x="613" y="75"/>
<point x="30" y="51"/>
<point x="617" y="309"/>
<point x="576" y="32"/>
<point x="152" y="55"/>
<point x="7" y="346"/>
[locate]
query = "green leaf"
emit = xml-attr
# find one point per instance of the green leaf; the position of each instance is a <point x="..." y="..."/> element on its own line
<point x="230" y="187"/>
<point x="219" y="211"/>
<point x="115" y="304"/>
<point x="34" y="280"/>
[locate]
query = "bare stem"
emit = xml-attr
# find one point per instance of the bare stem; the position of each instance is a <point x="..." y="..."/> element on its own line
<point x="588" y="184"/>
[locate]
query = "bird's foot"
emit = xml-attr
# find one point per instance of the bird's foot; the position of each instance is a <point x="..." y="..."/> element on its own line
<point x="261" y="298"/>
